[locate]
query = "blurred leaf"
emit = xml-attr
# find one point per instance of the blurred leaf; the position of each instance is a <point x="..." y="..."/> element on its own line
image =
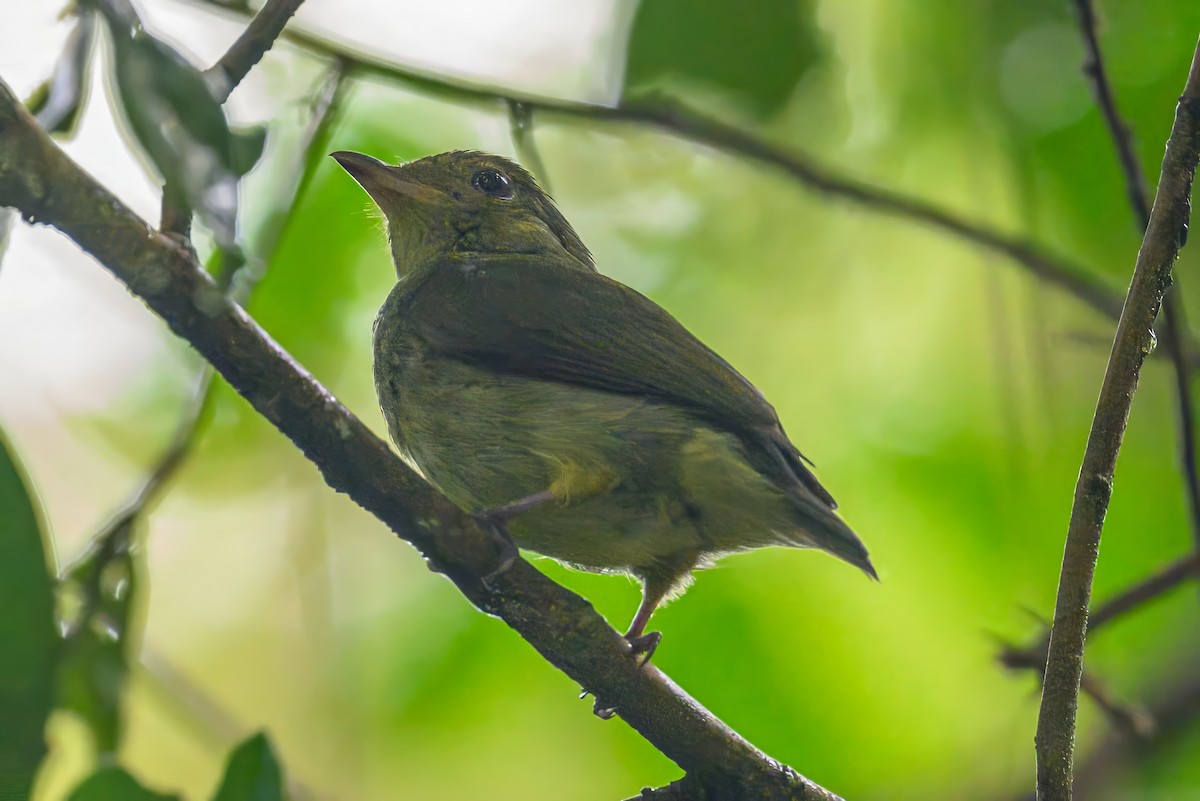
<point x="27" y="631"/>
<point x="179" y="123"/>
<point x="114" y="784"/>
<point x="57" y="102"/>
<point x="754" y="53"/>
<point x="102" y="586"/>
<point x="252" y="773"/>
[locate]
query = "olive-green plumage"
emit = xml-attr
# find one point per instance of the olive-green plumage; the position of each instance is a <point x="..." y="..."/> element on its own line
<point x="512" y="374"/>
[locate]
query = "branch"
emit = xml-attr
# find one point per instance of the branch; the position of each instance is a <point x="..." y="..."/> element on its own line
<point x="1055" y="736"/>
<point x="249" y="48"/>
<point x="693" y="126"/>
<point x="1174" y="321"/>
<point x="47" y="187"/>
<point x="1174" y="713"/>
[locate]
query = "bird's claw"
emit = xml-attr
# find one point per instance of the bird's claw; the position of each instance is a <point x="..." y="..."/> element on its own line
<point x="603" y="712"/>
<point x="643" y="646"/>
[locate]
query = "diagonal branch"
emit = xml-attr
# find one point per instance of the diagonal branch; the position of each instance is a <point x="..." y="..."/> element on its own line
<point x="694" y="126"/>
<point x="47" y="187"/>
<point x="250" y="47"/>
<point x="1174" y="322"/>
<point x="1134" y="339"/>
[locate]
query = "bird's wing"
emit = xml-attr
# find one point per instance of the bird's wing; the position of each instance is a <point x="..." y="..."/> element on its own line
<point x="531" y="316"/>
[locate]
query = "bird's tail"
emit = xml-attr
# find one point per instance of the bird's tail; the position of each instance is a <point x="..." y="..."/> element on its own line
<point x="822" y="528"/>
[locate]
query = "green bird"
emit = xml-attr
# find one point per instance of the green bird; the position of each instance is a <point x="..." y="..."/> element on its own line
<point x="545" y="397"/>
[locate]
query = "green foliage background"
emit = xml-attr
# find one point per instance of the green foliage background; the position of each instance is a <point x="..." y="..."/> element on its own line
<point x="944" y="394"/>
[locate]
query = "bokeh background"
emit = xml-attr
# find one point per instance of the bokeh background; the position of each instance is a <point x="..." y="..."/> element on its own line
<point x="944" y="393"/>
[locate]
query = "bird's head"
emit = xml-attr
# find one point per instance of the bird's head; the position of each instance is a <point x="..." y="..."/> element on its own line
<point x="463" y="202"/>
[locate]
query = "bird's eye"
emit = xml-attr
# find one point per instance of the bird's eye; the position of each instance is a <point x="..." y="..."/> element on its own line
<point x="493" y="183"/>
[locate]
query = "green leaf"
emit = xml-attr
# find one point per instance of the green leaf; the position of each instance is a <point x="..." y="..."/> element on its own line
<point x="114" y="784"/>
<point x="103" y="587"/>
<point x="754" y="53"/>
<point x="173" y="114"/>
<point x="57" y="102"/>
<point x="30" y="642"/>
<point x="252" y="773"/>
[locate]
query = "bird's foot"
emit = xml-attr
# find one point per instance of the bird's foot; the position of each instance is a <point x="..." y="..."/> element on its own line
<point x="643" y="646"/>
<point x="495" y="521"/>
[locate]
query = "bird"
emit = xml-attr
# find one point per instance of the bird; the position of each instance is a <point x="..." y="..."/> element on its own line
<point x="566" y="408"/>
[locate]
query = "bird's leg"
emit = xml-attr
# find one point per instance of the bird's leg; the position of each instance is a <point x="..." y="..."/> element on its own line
<point x="653" y="591"/>
<point x="507" y="511"/>
<point x="657" y="582"/>
<point x="495" y="521"/>
<point x="574" y="482"/>
<point x="640" y="644"/>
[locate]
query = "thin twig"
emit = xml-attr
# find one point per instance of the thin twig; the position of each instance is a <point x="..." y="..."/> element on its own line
<point x="1055" y="737"/>
<point x="46" y="185"/>
<point x="1175" y="331"/>
<point x="1128" y="717"/>
<point x="250" y="47"/>
<point x="1131" y="718"/>
<point x="520" y="119"/>
<point x="1135" y="182"/>
<point x="1147" y="590"/>
<point x="693" y="126"/>
<point x="1133" y="597"/>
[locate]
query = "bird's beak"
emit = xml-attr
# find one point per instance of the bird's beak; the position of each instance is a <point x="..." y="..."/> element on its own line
<point x="382" y="181"/>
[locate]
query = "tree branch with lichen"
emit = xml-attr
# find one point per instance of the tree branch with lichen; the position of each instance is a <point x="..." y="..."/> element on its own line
<point x="47" y="187"/>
